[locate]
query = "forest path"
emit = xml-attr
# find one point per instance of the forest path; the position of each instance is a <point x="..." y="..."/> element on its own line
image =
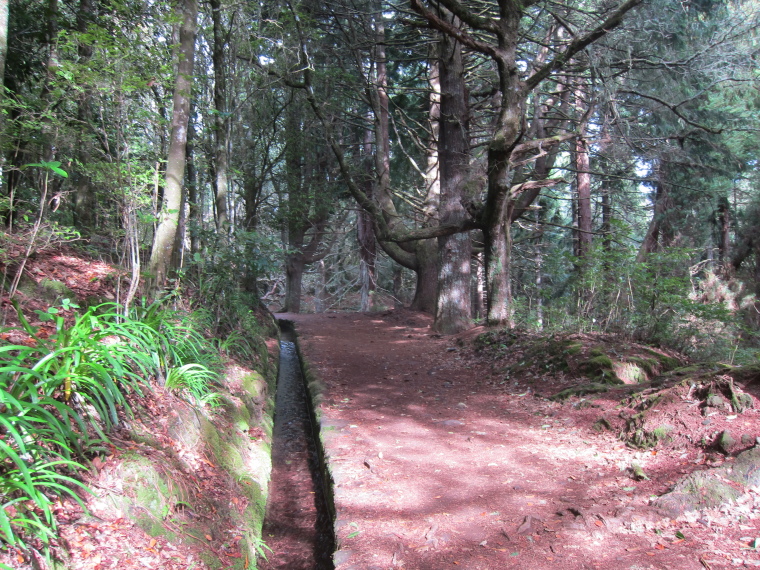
<point x="439" y="464"/>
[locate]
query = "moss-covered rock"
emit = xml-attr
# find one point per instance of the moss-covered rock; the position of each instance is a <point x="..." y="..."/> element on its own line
<point x="599" y="367"/>
<point x="157" y="484"/>
<point x="725" y="442"/>
<point x="713" y="487"/>
<point x="582" y="390"/>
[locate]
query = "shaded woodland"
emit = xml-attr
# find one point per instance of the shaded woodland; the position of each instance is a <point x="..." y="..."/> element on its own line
<point x="535" y="164"/>
<point x="546" y="166"/>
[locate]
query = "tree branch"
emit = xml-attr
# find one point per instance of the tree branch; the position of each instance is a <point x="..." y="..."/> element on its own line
<point x="447" y="28"/>
<point x="581" y="43"/>
<point x="675" y="111"/>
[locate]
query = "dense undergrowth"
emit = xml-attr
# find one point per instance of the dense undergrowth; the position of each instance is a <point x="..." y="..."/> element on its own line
<point x="70" y="383"/>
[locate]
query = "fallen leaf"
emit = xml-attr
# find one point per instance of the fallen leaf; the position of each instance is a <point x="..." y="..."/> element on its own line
<point x="208" y="537"/>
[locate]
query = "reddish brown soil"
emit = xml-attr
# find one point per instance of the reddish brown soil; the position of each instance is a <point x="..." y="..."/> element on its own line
<point x="440" y="461"/>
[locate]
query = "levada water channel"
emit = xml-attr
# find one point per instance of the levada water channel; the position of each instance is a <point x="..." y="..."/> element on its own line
<point x="298" y="526"/>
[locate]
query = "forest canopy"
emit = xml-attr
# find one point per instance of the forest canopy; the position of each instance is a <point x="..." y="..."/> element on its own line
<point x="545" y="164"/>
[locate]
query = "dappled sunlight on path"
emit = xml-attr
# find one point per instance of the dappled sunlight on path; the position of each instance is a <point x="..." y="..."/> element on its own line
<point x="437" y="467"/>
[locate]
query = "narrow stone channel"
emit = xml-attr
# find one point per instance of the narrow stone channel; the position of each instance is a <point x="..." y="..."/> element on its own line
<point x="298" y="525"/>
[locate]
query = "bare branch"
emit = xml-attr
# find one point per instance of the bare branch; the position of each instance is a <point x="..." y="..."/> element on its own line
<point x="581" y="43"/>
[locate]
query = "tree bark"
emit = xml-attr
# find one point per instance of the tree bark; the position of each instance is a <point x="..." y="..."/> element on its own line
<point x="221" y="130"/>
<point x="163" y="241"/>
<point x="508" y="129"/>
<point x="365" y="233"/>
<point x="3" y="40"/>
<point x="294" y="267"/>
<point x="453" y="311"/>
<point x="84" y="197"/>
<point x="724" y="240"/>
<point x="426" y="253"/>
<point x="660" y="233"/>
<point x="583" y="180"/>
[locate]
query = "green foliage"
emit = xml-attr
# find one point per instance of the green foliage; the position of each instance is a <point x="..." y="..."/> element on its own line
<point x="660" y="301"/>
<point x="194" y="378"/>
<point x="61" y="394"/>
<point x="225" y="277"/>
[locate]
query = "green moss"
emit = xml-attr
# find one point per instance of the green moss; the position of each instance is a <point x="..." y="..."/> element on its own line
<point x="583" y="390"/>
<point x="52" y="290"/>
<point x="148" y="496"/>
<point x="662" y="432"/>
<point x="667" y="362"/>
<point x="630" y="373"/>
<point x="601" y="424"/>
<point x="647" y="365"/>
<point x="599" y="367"/>
<point x="253" y="383"/>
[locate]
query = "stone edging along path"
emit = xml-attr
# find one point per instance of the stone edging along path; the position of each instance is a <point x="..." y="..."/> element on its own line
<point x="435" y="465"/>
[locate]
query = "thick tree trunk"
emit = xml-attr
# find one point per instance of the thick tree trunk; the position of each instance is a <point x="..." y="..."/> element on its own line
<point x="294" y="267"/>
<point x="498" y="259"/>
<point x="453" y="308"/>
<point x="163" y="241"/>
<point x="660" y="231"/>
<point x="426" y="252"/>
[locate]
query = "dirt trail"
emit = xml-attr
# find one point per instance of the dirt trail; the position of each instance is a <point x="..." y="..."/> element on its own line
<point x="438" y="464"/>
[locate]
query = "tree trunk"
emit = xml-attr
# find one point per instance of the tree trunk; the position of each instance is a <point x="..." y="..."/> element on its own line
<point x="583" y="180"/>
<point x="193" y="212"/>
<point x="163" y="241"/>
<point x="453" y="308"/>
<point x="221" y="138"/>
<point x="724" y="241"/>
<point x="398" y="302"/>
<point x="539" y="262"/>
<point x="320" y="299"/>
<point x="660" y="229"/>
<point x="365" y="233"/>
<point x="426" y="252"/>
<point x="606" y="221"/>
<point x="3" y="39"/>
<point x="294" y="267"/>
<point x="498" y="254"/>
<point x="432" y="174"/>
<point x="584" y="196"/>
<point x="479" y="289"/>
<point x="84" y="197"/>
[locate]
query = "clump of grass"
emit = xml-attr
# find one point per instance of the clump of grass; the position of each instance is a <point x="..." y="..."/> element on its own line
<point x="61" y="395"/>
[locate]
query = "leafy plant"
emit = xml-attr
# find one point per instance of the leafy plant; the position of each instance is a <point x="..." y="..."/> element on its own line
<point x="61" y="394"/>
<point x="196" y="379"/>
